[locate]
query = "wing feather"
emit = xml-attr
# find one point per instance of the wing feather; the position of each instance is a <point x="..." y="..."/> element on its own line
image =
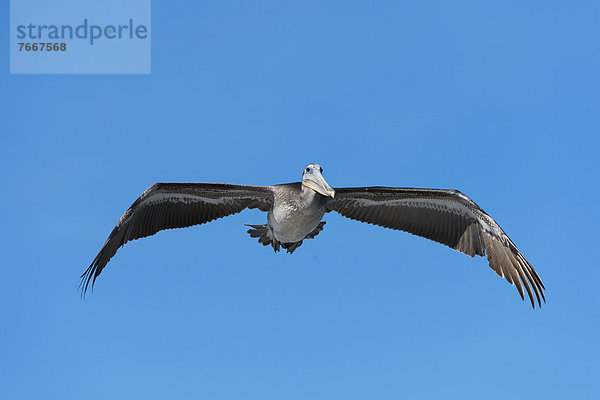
<point x="445" y="216"/>
<point x="176" y="205"/>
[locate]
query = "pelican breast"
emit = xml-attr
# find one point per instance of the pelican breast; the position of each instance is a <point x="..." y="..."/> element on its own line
<point x="296" y="212"/>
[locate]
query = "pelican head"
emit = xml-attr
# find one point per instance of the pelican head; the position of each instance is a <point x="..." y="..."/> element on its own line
<point x="312" y="177"/>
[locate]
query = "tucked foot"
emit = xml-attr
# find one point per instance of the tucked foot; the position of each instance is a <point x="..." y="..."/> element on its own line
<point x="290" y="247"/>
<point x="316" y="231"/>
<point x="264" y="235"/>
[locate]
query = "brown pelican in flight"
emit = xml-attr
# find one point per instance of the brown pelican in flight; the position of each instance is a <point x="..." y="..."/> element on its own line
<point x="294" y="212"/>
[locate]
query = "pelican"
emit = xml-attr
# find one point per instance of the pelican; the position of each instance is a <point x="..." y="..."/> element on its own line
<point x="294" y="213"/>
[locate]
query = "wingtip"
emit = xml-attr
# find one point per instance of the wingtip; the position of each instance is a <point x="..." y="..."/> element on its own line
<point x="539" y="301"/>
<point x="89" y="275"/>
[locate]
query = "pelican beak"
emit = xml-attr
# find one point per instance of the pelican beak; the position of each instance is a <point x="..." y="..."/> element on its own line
<point x="316" y="182"/>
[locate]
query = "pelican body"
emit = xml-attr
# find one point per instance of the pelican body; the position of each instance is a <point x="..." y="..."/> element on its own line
<point x="295" y="212"/>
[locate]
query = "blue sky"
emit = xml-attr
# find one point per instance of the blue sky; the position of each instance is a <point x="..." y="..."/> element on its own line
<point x="498" y="100"/>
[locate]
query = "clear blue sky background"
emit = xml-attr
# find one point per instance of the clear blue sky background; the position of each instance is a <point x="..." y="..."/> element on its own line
<point x="498" y="99"/>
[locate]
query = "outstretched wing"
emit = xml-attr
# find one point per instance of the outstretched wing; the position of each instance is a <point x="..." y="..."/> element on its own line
<point x="446" y="216"/>
<point x="176" y="205"/>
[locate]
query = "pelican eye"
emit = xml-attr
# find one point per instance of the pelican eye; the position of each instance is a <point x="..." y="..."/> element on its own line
<point x="307" y="169"/>
<point x="321" y="169"/>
